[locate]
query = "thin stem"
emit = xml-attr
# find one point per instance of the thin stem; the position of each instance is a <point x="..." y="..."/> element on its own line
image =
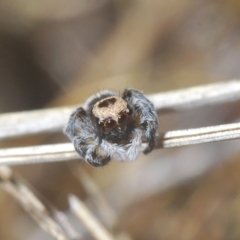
<point x="65" y="151"/>
<point x="54" y="120"/>
<point x="200" y="135"/>
<point x="97" y="230"/>
<point x="96" y="196"/>
<point x="44" y="213"/>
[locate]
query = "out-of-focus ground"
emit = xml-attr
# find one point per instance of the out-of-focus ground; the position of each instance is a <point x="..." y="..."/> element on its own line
<point x="55" y="53"/>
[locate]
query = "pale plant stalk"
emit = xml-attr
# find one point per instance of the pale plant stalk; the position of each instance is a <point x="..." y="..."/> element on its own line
<point x="66" y="151"/>
<point x="97" y="230"/>
<point x="50" y="120"/>
<point x="54" y="120"/>
<point x="51" y="220"/>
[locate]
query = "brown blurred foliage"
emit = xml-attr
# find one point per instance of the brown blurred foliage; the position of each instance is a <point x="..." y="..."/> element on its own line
<point x="55" y="53"/>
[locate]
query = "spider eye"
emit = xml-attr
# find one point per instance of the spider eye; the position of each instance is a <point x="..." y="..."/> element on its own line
<point x="110" y="123"/>
<point x="123" y="118"/>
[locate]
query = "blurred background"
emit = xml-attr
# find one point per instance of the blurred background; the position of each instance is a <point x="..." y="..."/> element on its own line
<point x="56" y="53"/>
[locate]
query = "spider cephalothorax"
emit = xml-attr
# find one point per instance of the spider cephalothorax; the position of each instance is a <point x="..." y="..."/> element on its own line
<point x="112" y="115"/>
<point x="113" y="126"/>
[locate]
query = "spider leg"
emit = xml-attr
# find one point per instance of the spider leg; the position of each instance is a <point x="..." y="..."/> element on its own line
<point x="81" y="132"/>
<point x="135" y="145"/>
<point x="115" y="151"/>
<point x="148" y="119"/>
<point x="78" y="115"/>
<point x="89" y="150"/>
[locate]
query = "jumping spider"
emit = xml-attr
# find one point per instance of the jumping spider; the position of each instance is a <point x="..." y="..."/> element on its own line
<point x="113" y="126"/>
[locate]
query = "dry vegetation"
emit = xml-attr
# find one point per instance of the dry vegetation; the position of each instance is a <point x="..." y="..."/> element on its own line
<point x="56" y="53"/>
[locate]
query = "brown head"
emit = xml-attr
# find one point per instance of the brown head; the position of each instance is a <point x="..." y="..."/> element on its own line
<point x="111" y="112"/>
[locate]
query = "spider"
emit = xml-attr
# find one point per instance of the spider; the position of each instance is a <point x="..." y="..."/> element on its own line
<point x="111" y="125"/>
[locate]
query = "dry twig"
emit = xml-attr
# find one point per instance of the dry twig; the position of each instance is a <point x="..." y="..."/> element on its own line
<point x="94" y="226"/>
<point x="17" y="124"/>
<point x="50" y="219"/>
<point x="65" y="151"/>
<point x="53" y="120"/>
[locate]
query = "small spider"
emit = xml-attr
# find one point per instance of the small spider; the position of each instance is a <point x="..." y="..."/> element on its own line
<point x="112" y="126"/>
